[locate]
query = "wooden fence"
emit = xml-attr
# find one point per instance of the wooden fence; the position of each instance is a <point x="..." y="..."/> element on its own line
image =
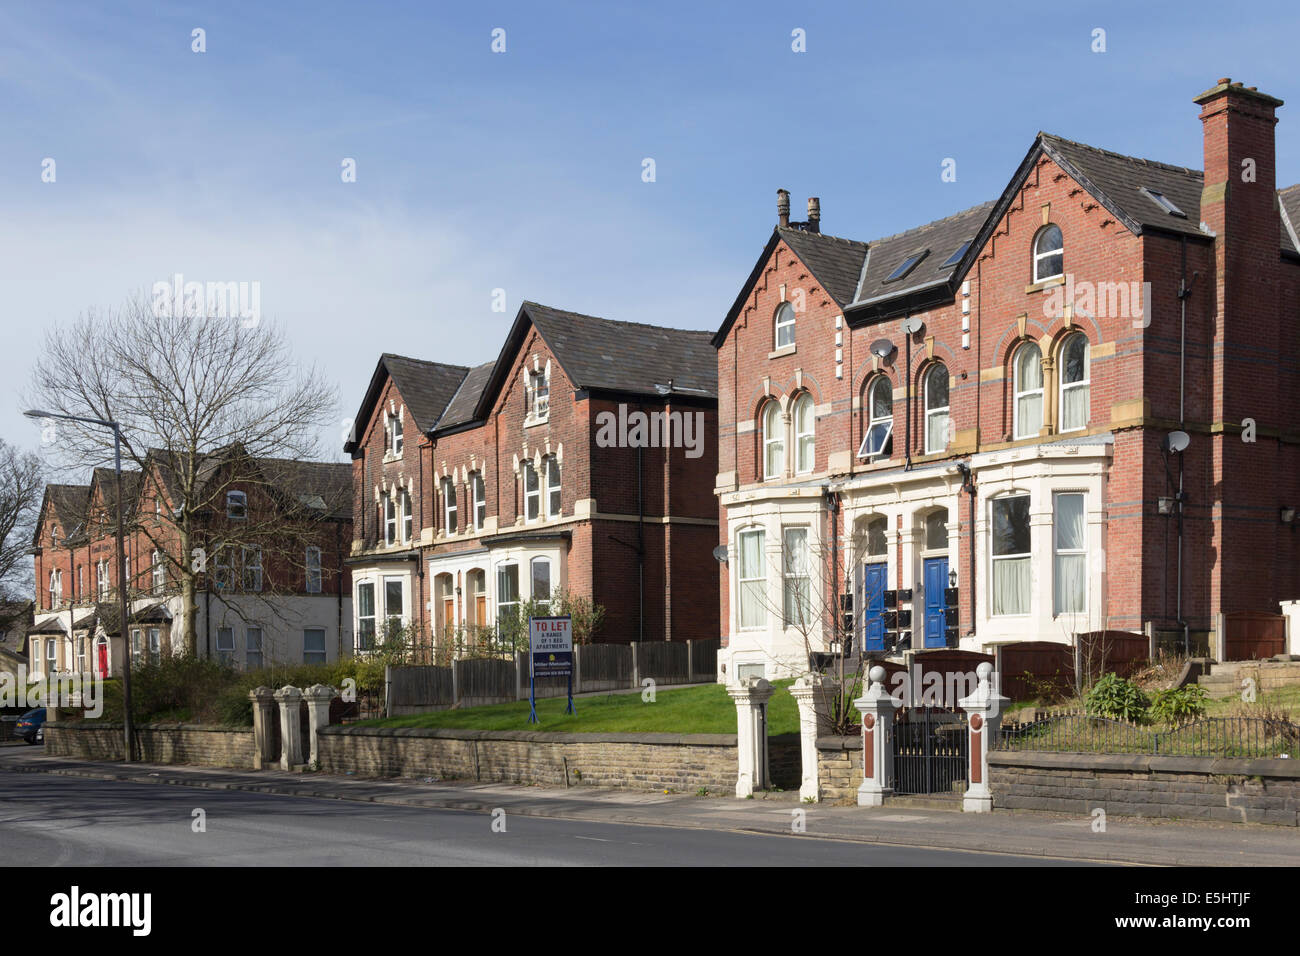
<point x="1251" y="635"/>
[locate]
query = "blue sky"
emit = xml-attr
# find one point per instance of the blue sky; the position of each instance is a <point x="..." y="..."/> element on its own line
<point x="522" y="170"/>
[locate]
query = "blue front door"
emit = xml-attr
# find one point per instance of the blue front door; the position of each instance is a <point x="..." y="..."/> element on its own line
<point x="872" y="602"/>
<point x="936" y="580"/>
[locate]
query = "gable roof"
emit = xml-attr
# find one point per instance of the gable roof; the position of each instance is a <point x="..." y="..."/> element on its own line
<point x="835" y="263"/>
<point x="1289" y="202"/>
<point x="70" y="504"/>
<point x="463" y="406"/>
<point x="607" y="355"/>
<point x="426" y="389"/>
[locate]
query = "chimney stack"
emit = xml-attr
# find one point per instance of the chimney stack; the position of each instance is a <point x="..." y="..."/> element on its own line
<point x="783" y="207"/>
<point x="1239" y="197"/>
<point x="814" y="214"/>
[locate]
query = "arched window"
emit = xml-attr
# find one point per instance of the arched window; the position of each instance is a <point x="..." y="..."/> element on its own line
<point x="1028" y="370"/>
<point x="936" y="530"/>
<point x="478" y="495"/>
<point x="552" y="486"/>
<point x="773" y="441"/>
<point x="449" y="505"/>
<point x="784" y="325"/>
<point x="878" y="439"/>
<point x="936" y="408"/>
<point x="1075" y="378"/>
<point x="804" y="434"/>
<point x="1049" y="260"/>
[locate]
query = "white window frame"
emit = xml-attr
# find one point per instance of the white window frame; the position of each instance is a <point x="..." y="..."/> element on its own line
<point x="56" y="589"/>
<point x="759" y="579"/>
<point x="1080" y="553"/>
<point x="51" y="655"/>
<point x="782" y="322"/>
<point x="154" y="635"/>
<point x="82" y="641"/>
<point x="478" y="492"/>
<point x="449" y="505"/>
<point x="388" y="502"/>
<point x="401" y="616"/>
<point x="793" y="578"/>
<point x="1019" y="391"/>
<point x="533" y="564"/>
<point x="101" y="579"/>
<point x="313" y="569"/>
<point x="397" y="440"/>
<point x="226" y="648"/>
<point x="533" y="497"/>
<point x="1040" y="255"/>
<point x="249" y="649"/>
<point x="554" y="497"/>
<point x="322" y="653"/>
<point x="159" y="572"/>
<point x="225" y="579"/>
<point x="773" y="421"/>
<point x="236" y="505"/>
<point x="1084" y="384"/>
<point x="254" y="566"/>
<point x="372" y="617"/>
<point x="500" y="604"/>
<point x="805" y="438"/>
<point x="1019" y="555"/>
<point x="938" y="368"/>
<point x="865" y="449"/>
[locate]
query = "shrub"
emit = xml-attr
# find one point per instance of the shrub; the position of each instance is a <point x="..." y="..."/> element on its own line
<point x="1116" y="698"/>
<point x="1177" y="704"/>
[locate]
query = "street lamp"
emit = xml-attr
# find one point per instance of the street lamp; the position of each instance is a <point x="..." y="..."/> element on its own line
<point x="127" y="727"/>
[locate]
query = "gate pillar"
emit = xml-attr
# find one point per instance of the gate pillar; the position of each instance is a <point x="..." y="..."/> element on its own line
<point x="290" y="734"/>
<point x="263" y="699"/>
<point x="877" y="707"/>
<point x="318" y="697"/>
<point x="984" y="717"/>
<point x="811" y="693"/>
<point x="751" y="696"/>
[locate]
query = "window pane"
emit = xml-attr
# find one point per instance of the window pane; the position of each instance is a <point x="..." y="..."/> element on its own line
<point x="882" y="399"/>
<point x="936" y="531"/>
<point x="876" y="541"/>
<point x="541" y="579"/>
<point x="1049" y="239"/>
<point x="1069" y="523"/>
<point x="936" y="388"/>
<point x="936" y="432"/>
<point x="1070" y="586"/>
<point x="1074" y="407"/>
<point x="1074" y="360"/>
<point x="1029" y="415"/>
<point x="553" y="487"/>
<point x="1029" y="368"/>
<point x="392" y="598"/>
<point x="1011" y="586"/>
<point x="1011" y="525"/>
<point x="313" y="645"/>
<point x="508" y="583"/>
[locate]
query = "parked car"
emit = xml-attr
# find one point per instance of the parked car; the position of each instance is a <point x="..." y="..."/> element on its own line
<point x="31" y="726"/>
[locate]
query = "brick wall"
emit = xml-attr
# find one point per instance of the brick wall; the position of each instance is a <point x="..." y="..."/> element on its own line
<point x="839" y="768"/>
<point x="680" y="762"/>
<point x="191" y="744"/>
<point x="1186" y="788"/>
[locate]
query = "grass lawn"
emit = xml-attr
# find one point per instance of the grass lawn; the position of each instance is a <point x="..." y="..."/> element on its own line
<point x="691" y="710"/>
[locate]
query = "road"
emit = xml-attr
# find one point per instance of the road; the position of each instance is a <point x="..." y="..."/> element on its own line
<point x="58" y="820"/>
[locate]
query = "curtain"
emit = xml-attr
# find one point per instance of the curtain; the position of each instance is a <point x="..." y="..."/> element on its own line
<point x="797" y="596"/>
<point x="1070" y="586"/>
<point x="1029" y="415"/>
<point x="1011" y="585"/>
<point x="751" y="579"/>
<point x="936" y="432"/>
<point x="1074" y="407"/>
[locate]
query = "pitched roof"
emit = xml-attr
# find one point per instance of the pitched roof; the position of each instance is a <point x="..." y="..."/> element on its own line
<point x="626" y="356"/>
<point x="70" y="504"/>
<point x="938" y="241"/>
<point x="323" y="486"/>
<point x="1289" y="201"/>
<point x="426" y="389"/>
<point x="464" y="404"/>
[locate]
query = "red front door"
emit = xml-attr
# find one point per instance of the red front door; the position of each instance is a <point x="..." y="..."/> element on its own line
<point x="103" y="660"/>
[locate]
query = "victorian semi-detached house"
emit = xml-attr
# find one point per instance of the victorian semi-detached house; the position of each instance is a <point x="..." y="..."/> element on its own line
<point x="1010" y="423"/>
<point x="273" y="586"/>
<point x="480" y="488"/>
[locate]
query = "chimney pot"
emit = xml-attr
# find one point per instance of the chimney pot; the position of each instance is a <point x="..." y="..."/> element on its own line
<point x="1224" y="80"/>
<point x="814" y="214"/>
<point x="783" y="207"/>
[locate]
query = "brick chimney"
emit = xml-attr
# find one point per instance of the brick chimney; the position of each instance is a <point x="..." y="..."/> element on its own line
<point x="814" y="214"/>
<point x="1240" y="194"/>
<point x="783" y="207"/>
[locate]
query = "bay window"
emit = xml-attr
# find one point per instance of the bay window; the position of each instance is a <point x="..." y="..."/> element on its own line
<point x="796" y="584"/>
<point x="1011" y="555"/>
<point x="1070" y="559"/>
<point x="751" y="579"/>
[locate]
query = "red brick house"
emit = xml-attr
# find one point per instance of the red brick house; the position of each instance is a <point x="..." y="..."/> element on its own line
<point x="476" y="489"/>
<point x="964" y="429"/>
<point x="266" y="593"/>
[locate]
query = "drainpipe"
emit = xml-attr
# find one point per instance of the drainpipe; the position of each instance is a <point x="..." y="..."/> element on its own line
<point x="907" y="385"/>
<point x="640" y="540"/>
<point x="1184" y="292"/>
<point x="969" y="485"/>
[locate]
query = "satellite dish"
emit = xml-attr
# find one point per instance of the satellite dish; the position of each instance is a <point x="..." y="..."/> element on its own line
<point x="720" y="552"/>
<point x="1177" y="441"/>
<point x="912" y="324"/>
<point x="882" y="348"/>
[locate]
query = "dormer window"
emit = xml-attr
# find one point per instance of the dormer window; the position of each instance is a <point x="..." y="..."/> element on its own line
<point x="784" y="325"/>
<point x="236" y="505"/>
<point x="1049" y="259"/>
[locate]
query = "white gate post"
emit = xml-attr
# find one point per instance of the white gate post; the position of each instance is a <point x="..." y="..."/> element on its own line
<point x="318" y="697"/>
<point x="290" y="736"/>
<point x="263" y="713"/>
<point x="810" y="692"/>
<point x="751" y="696"/>
<point x="984" y="717"/>
<point x="877" y="707"/>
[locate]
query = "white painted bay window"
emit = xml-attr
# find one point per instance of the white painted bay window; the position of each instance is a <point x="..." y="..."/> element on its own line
<point x="1070" y="563"/>
<point x="1010" y="555"/>
<point x="751" y="579"/>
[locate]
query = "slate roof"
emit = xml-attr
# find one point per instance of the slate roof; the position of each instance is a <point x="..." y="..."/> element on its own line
<point x="939" y="239"/>
<point x="70" y="504"/>
<point x="1289" y="200"/>
<point x="426" y="387"/>
<point x="464" y="404"/>
<point x="319" y="485"/>
<point x="605" y="354"/>
<point x="834" y="262"/>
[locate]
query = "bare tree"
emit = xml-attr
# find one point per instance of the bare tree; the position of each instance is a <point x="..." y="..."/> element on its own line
<point x="204" y="401"/>
<point x="22" y="486"/>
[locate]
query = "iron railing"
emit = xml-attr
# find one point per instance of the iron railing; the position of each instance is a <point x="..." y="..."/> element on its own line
<point x="930" y="750"/>
<point x="1201" y="737"/>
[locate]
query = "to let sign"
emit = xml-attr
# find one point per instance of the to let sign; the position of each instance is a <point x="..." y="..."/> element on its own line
<point x="550" y="643"/>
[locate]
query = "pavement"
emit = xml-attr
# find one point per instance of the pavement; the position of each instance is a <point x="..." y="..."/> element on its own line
<point x="1046" y="836"/>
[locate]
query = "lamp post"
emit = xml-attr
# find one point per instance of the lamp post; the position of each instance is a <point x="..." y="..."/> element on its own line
<point x="127" y="727"/>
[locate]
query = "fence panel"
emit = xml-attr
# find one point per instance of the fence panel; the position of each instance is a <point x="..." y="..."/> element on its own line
<point x="663" y="661"/>
<point x="704" y="659"/>
<point x="1032" y="669"/>
<point x="1253" y="635"/>
<point x="416" y="689"/>
<point x="485" y="681"/>
<point x="605" y="667"/>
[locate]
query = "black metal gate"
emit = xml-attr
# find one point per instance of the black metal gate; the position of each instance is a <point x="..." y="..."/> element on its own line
<point x="930" y="750"/>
